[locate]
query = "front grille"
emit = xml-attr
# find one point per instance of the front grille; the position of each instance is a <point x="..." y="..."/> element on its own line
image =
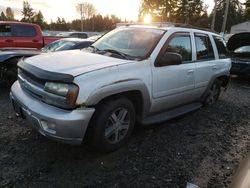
<point x="31" y="78"/>
<point x="35" y="87"/>
<point x="31" y="84"/>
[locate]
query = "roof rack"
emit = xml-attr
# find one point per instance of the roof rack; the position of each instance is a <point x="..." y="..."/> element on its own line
<point x="166" y="24"/>
<point x="194" y="27"/>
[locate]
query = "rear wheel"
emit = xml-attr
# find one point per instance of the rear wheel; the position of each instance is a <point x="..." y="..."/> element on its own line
<point x="112" y="124"/>
<point x="213" y="94"/>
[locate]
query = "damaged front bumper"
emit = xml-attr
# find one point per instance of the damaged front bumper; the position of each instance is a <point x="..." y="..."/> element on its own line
<point x="55" y="123"/>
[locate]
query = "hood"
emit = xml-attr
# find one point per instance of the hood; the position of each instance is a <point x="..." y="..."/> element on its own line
<point x="5" y="55"/>
<point x="238" y="40"/>
<point x="73" y="62"/>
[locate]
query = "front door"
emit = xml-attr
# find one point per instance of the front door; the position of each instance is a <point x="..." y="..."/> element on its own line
<point x="173" y="84"/>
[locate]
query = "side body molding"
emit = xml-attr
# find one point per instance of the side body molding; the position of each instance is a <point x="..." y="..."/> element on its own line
<point x="120" y="87"/>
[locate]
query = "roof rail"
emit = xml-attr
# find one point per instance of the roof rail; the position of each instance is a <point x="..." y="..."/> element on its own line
<point x="194" y="27"/>
<point x="156" y="24"/>
<point x="165" y="24"/>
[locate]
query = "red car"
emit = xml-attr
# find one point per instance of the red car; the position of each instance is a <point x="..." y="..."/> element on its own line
<point x="25" y="35"/>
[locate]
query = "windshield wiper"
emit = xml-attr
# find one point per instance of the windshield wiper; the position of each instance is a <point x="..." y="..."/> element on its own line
<point x="125" y="56"/>
<point x="94" y="48"/>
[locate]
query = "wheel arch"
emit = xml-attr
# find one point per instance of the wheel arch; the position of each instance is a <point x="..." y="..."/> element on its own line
<point x="223" y="78"/>
<point x="135" y="90"/>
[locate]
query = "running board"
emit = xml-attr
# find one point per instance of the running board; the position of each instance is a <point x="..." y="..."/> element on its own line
<point x="158" y="118"/>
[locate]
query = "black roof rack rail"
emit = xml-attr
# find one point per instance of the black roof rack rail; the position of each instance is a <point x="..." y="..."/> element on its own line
<point x="193" y="27"/>
<point x="168" y="24"/>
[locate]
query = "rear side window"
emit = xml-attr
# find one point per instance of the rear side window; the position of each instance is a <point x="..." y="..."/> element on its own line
<point x="24" y="31"/>
<point x="5" y="31"/>
<point x="221" y="47"/>
<point x="204" y="47"/>
<point x="181" y="44"/>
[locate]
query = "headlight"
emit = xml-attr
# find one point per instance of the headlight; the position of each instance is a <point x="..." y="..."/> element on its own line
<point x="61" y="94"/>
<point x="57" y="88"/>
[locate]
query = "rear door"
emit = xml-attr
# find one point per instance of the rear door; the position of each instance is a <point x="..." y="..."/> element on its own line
<point x="26" y="36"/>
<point x="6" y="37"/>
<point x="205" y="60"/>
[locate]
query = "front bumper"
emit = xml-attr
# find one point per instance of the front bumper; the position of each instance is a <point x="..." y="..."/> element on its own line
<point x="52" y="122"/>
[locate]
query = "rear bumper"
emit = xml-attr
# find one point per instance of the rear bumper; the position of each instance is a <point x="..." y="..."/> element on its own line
<point x="55" y="123"/>
<point x="241" y="69"/>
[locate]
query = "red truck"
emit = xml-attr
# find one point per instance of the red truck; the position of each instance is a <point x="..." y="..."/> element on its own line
<point x="24" y="35"/>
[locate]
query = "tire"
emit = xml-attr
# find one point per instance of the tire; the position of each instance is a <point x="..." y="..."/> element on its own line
<point x="11" y="73"/>
<point x="213" y="94"/>
<point x="111" y="125"/>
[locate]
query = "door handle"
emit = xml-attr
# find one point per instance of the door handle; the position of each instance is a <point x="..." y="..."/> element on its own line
<point x="214" y="67"/>
<point x="35" y="40"/>
<point x="190" y="71"/>
<point x="8" y="40"/>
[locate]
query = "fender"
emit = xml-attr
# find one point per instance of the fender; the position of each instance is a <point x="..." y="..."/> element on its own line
<point x="214" y="77"/>
<point x="6" y="55"/>
<point x="120" y="87"/>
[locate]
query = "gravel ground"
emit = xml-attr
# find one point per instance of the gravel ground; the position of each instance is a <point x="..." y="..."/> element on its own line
<point x="204" y="147"/>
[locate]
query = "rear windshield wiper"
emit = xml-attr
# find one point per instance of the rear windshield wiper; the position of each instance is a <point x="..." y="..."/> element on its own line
<point x="125" y="56"/>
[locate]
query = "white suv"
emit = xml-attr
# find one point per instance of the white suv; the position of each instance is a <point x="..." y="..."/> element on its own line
<point x="134" y="73"/>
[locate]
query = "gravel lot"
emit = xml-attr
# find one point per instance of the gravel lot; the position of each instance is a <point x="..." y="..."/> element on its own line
<point x="204" y="147"/>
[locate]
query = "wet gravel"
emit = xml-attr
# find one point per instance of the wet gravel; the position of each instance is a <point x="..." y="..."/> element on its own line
<point x="204" y="147"/>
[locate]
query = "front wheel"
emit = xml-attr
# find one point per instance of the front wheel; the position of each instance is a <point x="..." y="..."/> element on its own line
<point x="112" y="124"/>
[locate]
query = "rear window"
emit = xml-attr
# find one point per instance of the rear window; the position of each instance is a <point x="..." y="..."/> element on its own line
<point x="204" y="47"/>
<point x="24" y="31"/>
<point x="5" y="30"/>
<point x="221" y="47"/>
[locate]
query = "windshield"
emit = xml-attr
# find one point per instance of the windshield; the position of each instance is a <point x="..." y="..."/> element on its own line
<point x="133" y="42"/>
<point x="58" y="46"/>
<point x="243" y="49"/>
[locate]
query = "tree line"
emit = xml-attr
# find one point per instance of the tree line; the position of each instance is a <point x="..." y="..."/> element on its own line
<point x="195" y="12"/>
<point x="192" y="12"/>
<point x="92" y="20"/>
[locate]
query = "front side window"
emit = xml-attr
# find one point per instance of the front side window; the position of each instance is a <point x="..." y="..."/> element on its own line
<point x="181" y="44"/>
<point x="133" y="42"/>
<point x="5" y="30"/>
<point x="24" y="31"/>
<point x="204" y="47"/>
<point x="221" y="47"/>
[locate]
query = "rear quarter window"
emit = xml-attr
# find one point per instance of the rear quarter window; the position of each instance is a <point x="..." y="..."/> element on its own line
<point x="24" y="31"/>
<point x="221" y="47"/>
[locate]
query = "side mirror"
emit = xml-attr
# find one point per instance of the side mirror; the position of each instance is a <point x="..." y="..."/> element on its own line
<point x="169" y="58"/>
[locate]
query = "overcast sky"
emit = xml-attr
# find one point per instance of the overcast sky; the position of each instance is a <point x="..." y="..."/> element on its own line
<point x="51" y="9"/>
